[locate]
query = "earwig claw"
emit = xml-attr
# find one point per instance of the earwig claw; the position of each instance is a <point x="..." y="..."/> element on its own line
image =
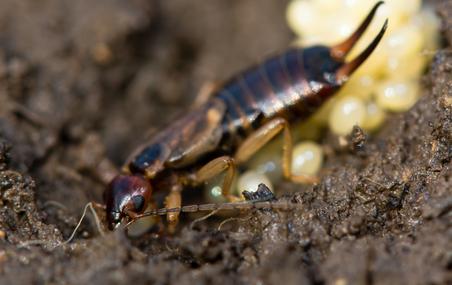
<point x="340" y="51"/>
<point x="347" y="69"/>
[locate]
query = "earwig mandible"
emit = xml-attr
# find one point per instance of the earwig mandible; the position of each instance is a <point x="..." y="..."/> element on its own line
<point x="233" y="124"/>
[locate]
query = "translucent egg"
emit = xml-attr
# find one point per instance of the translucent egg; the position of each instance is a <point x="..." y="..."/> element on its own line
<point x="307" y="158"/>
<point x="393" y="15"/>
<point x="268" y="161"/>
<point x="337" y="28"/>
<point x="397" y="95"/>
<point x="328" y="6"/>
<point x="429" y="24"/>
<point x="405" y="8"/>
<point x="346" y="113"/>
<point x="406" y="41"/>
<point x="375" y="63"/>
<point x="404" y="67"/>
<point x="307" y="130"/>
<point x="213" y="189"/>
<point x="360" y="85"/>
<point x="375" y="117"/>
<point x="250" y="180"/>
<point x="302" y="17"/>
<point x="320" y="117"/>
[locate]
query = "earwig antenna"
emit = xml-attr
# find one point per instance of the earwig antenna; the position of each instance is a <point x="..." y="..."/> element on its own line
<point x="263" y="198"/>
<point x="96" y="219"/>
<point x="341" y="50"/>
<point x="215" y="208"/>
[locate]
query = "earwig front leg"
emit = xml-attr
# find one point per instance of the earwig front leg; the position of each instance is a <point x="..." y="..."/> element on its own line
<point x="263" y="136"/>
<point x="173" y="200"/>
<point x="216" y="167"/>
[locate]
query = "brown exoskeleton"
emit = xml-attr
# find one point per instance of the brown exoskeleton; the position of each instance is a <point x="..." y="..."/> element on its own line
<point x="233" y="124"/>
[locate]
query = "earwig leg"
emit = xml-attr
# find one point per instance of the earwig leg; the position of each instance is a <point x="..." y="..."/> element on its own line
<point x="215" y="167"/>
<point x="206" y="91"/>
<point x="173" y="200"/>
<point x="263" y="136"/>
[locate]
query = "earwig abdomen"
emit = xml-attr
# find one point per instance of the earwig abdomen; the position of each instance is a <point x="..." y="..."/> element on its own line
<point x="292" y="85"/>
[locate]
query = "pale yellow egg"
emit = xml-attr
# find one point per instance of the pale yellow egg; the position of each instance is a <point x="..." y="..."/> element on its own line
<point x="339" y="27"/>
<point x="320" y="118"/>
<point x="360" y="85"/>
<point x="267" y="161"/>
<point x="375" y="63"/>
<point x="405" y="8"/>
<point x="407" y="41"/>
<point x="405" y="67"/>
<point x="397" y="95"/>
<point x="346" y="113"/>
<point x="307" y="130"/>
<point x="375" y="116"/>
<point x="213" y="189"/>
<point x="307" y="158"/>
<point x="213" y="194"/>
<point x="429" y="24"/>
<point x="302" y="16"/>
<point x="329" y="6"/>
<point x="390" y="13"/>
<point x="250" y="181"/>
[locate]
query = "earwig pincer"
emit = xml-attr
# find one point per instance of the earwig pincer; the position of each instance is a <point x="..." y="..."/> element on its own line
<point x="238" y="119"/>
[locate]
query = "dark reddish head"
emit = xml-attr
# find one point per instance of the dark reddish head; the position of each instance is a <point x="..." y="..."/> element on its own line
<point x="125" y="196"/>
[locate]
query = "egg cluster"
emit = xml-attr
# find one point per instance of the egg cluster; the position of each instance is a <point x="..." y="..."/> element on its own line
<point x="387" y="82"/>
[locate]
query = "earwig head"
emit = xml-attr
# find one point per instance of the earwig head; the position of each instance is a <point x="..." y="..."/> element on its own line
<point x="126" y="195"/>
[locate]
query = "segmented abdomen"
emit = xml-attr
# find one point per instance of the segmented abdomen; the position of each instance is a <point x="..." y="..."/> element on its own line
<point x="280" y="86"/>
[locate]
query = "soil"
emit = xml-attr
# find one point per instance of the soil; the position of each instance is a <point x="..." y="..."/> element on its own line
<point x="82" y="83"/>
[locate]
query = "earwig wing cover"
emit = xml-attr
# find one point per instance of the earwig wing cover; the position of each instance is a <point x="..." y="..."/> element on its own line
<point x="196" y="134"/>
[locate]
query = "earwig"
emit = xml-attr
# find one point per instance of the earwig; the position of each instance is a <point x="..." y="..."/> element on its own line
<point x="238" y="119"/>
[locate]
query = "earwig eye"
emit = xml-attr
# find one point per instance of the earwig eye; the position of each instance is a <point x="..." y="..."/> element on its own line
<point x="138" y="202"/>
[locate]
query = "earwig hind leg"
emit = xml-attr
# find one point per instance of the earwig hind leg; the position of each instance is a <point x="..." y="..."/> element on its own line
<point x="215" y="167"/>
<point x="173" y="200"/>
<point x="263" y="136"/>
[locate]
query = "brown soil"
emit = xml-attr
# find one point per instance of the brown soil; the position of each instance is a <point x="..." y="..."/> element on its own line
<point x="84" y="82"/>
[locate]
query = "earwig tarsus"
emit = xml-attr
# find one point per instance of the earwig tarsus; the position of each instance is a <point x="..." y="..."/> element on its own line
<point x="236" y="121"/>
